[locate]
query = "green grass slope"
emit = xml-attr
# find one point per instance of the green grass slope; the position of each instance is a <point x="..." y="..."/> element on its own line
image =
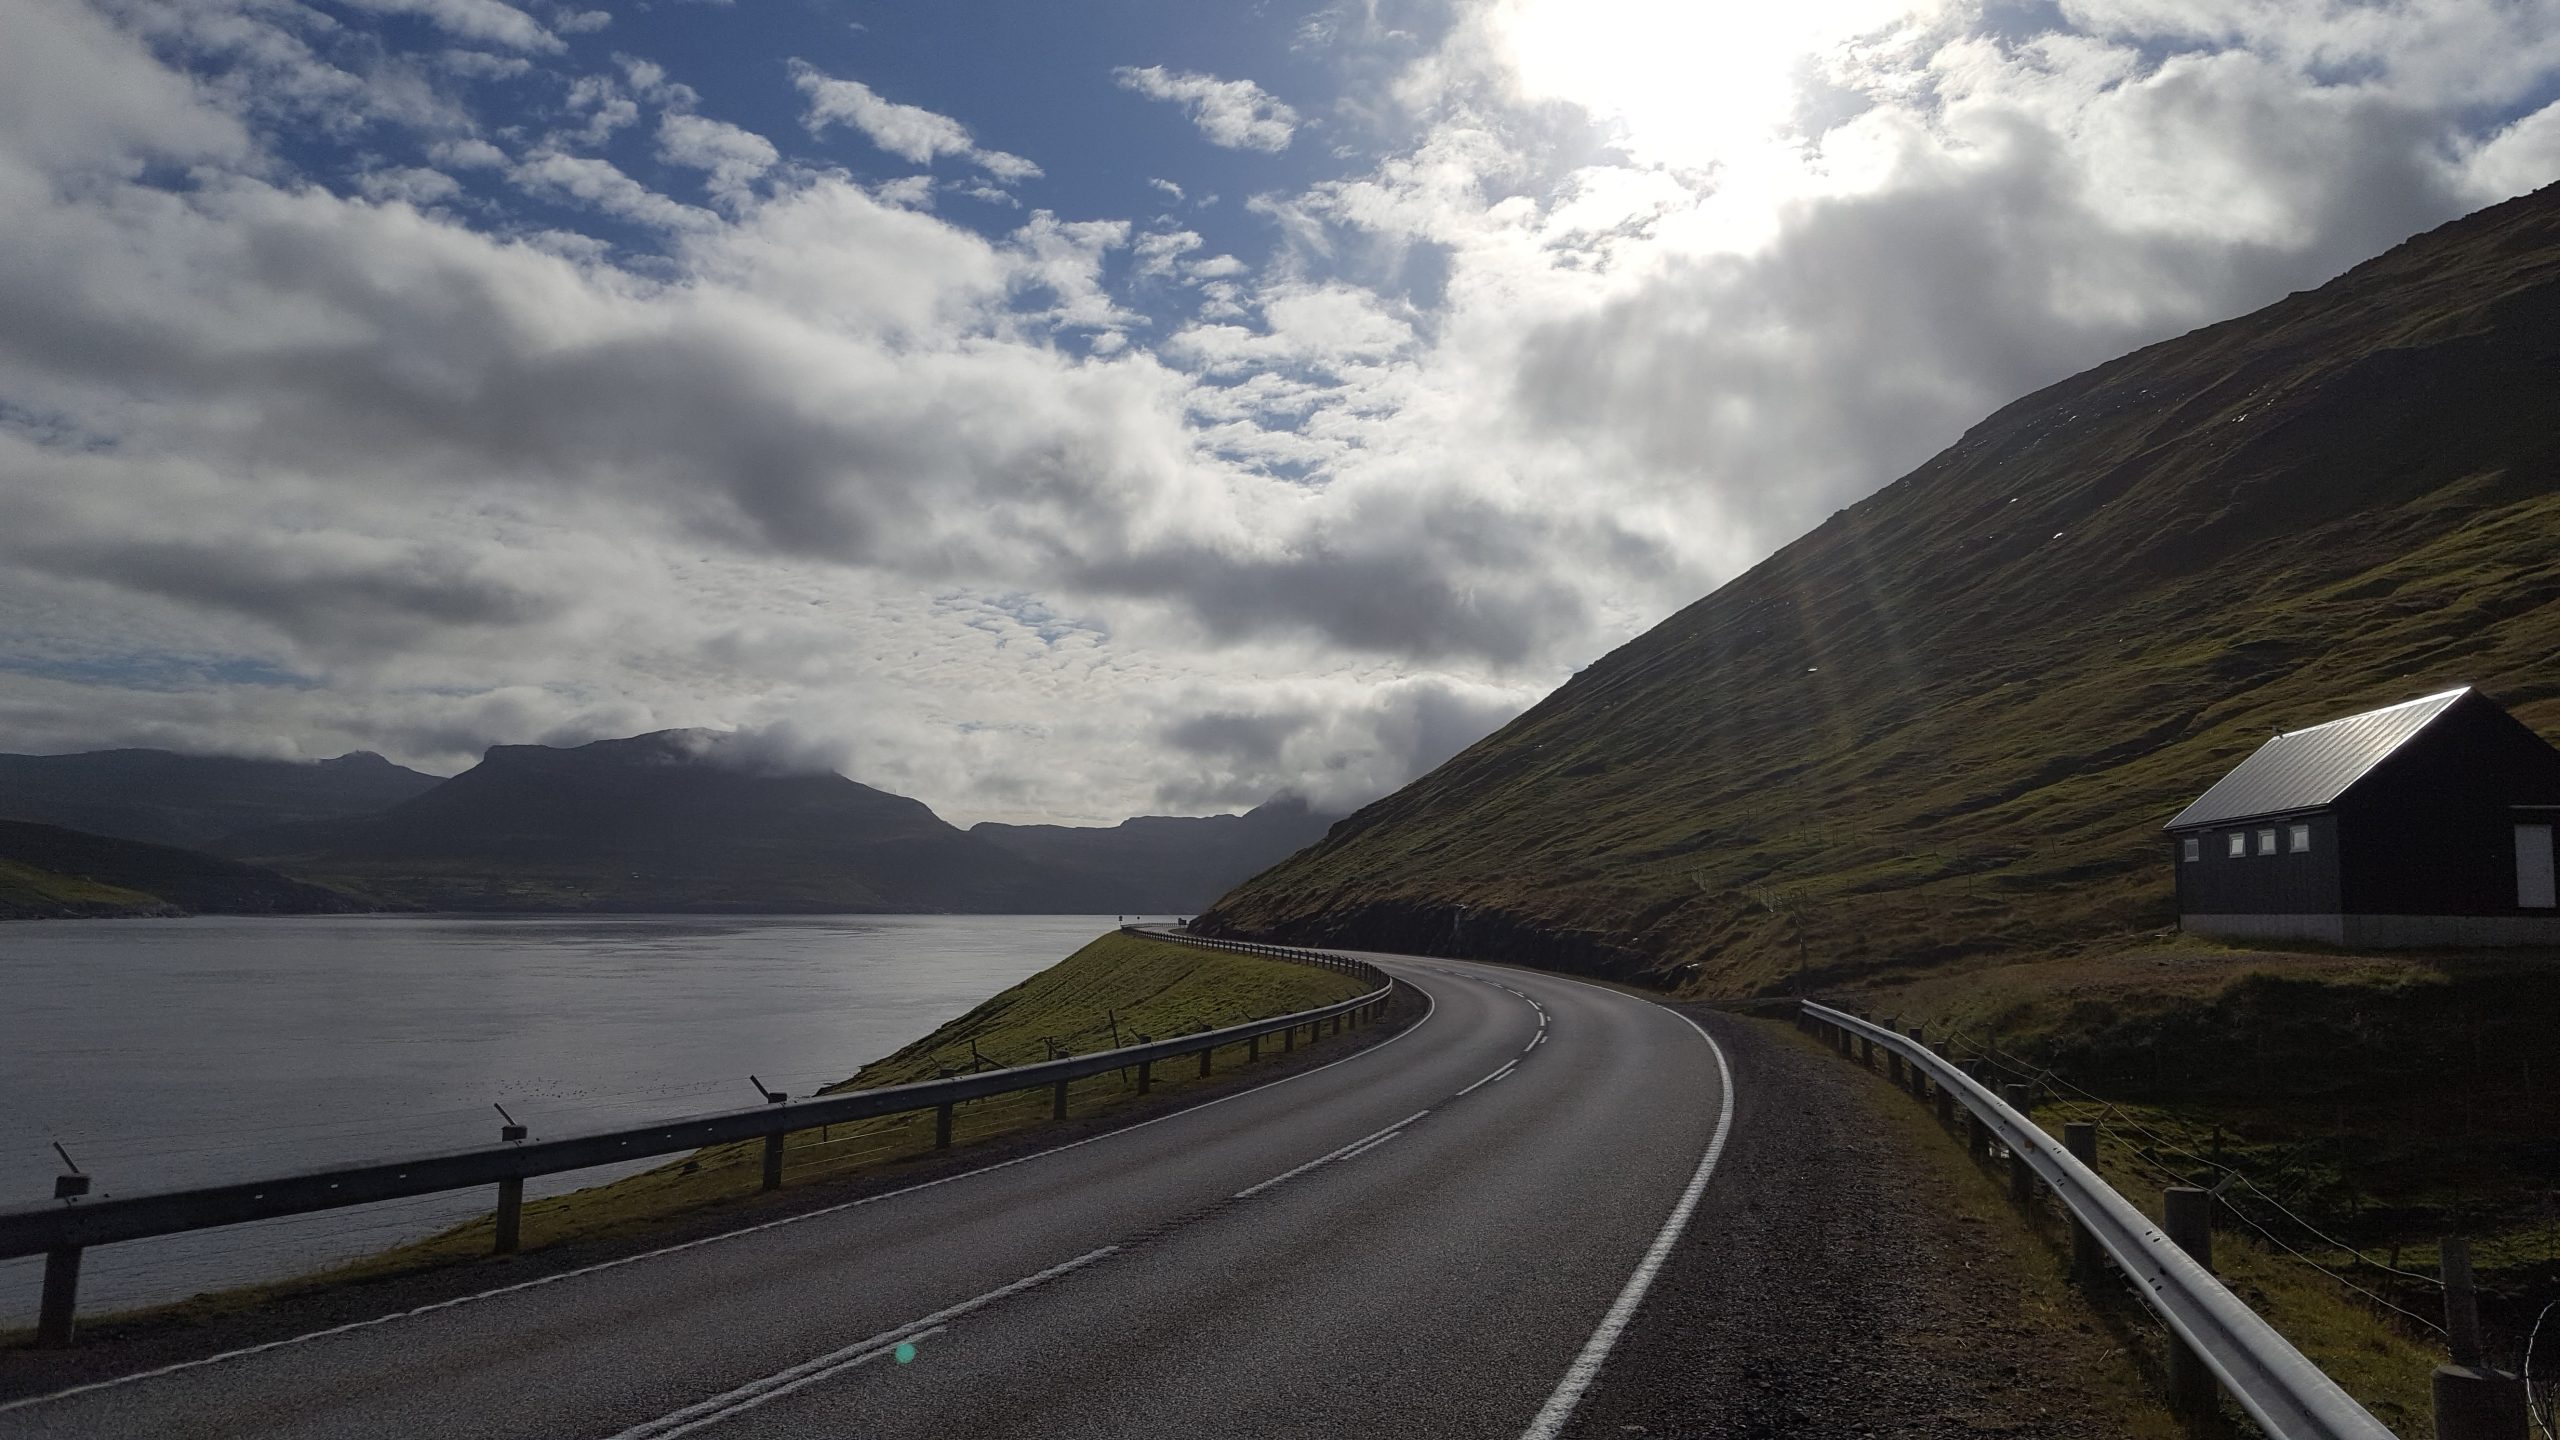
<point x="1948" y="723"/>
<point x="47" y="871"/>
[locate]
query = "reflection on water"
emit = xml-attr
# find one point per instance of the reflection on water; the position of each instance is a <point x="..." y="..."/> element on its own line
<point x="182" y="1052"/>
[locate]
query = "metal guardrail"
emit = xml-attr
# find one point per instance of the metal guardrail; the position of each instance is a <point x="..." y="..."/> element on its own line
<point x="61" y="1232"/>
<point x="2291" y="1398"/>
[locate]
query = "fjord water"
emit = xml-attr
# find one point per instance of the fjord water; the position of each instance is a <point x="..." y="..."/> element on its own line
<point x="183" y="1052"/>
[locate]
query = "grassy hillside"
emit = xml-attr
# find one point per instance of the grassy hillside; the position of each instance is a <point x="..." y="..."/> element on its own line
<point x="1946" y="726"/>
<point x="47" y="871"/>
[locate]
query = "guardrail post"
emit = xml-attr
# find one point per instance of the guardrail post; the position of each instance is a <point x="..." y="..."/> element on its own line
<point x="1892" y="1057"/>
<point x="2022" y="1176"/>
<point x="1252" y="1049"/>
<point x="1946" y="1106"/>
<point x="510" y="1218"/>
<point x="2186" y="1213"/>
<point x="1146" y="1075"/>
<point x="1919" y="1077"/>
<point x="1204" y="1063"/>
<point x="1977" y="1136"/>
<point x="1289" y="1040"/>
<point x="57" y="1315"/>
<point x="942" y="1125"/>
<point x="2472" y="1400"/>
<point x="773" y="1161"/>
<point x="1867" y="1052"/>
<point x="1058" y="1101"/>
<point x="2088" y="1260"/>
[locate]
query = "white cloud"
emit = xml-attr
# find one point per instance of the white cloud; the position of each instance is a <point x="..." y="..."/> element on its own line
<point x="284" y="469"/>
<point x="587" y="180"/>
<point x="906" y="131"/>
<point x="489" y="22"/>
<point x="732" y="156"/>
<point x="1237" y="114"/>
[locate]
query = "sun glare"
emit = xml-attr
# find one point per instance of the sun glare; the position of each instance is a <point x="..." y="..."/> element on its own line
<point x="1685" y="83"/>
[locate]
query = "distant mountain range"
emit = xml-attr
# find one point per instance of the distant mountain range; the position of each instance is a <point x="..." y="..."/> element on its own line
<point x="677" y="820"/>
<point x="194" y="800"/>
<point x="1178" y="863"/>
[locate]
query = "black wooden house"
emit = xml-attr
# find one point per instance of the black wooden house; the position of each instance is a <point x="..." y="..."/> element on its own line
<point x="2423" y="823"/>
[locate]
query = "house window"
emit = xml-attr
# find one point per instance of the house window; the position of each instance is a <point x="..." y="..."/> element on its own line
<point x="2298" y="839"/>
<point x="2266" y="842"/>
<point x="2239" y="844"/>
<point x="2191" y="848"/>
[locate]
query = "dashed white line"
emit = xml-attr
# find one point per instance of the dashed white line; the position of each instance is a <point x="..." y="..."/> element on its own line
<point x="1505" y="1069"/>
<point x="1431" y="1008"/>
<point x="704" y="1413"/>
<point x="1345" y="1153"/>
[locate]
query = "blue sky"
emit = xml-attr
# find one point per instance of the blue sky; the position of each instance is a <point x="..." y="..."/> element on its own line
<point x="1065" y="412"/>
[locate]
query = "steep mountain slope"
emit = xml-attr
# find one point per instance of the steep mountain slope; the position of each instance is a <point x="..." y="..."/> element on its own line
<point x="166" y="798"/>
<point x="666" y="821"/>
<point x="46" y="870"/>
<point x="1167" y="863"/>
<point x="1950" y="721"/>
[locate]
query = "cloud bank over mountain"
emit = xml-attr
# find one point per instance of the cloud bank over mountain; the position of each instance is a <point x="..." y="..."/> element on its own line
<point x="415" y="377"/>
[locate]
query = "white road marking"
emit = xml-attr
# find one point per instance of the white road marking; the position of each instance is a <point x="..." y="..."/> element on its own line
<point x="1550" y="1419"/>
<point x="1329" y="1156"/>
<point x="705" y="1413"/>
<point x="1505" y="1069"/>
<point x="1431" y="1008"/>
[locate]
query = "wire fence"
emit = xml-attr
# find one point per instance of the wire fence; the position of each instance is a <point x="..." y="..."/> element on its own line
<point x="2239" y="1196"/>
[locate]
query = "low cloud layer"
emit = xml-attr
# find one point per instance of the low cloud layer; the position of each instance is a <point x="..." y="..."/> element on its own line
<point x="605" y="410"/>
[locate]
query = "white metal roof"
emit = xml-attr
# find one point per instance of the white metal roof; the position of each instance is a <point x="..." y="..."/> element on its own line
<point x="2305" y="769"/>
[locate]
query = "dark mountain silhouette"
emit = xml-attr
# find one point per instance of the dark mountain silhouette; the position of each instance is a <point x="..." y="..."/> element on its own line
<point x="699" y="820"/>
<point x="46" y="870"/>
<point x="166" y="798"/>
<point x="1949" y="722"/>
<point x="1159" y="864"/>
<point x="672" y="821"/>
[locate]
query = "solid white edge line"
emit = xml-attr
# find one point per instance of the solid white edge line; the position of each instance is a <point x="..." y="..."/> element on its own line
<point x="1431" y="1008"/>
<point x="729" y="1402"/>
<point x="1328" y="1157"/>
<point x="1551" y="1418"/>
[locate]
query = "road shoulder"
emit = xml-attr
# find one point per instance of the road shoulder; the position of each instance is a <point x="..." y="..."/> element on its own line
<point x="1850" y="1273"/>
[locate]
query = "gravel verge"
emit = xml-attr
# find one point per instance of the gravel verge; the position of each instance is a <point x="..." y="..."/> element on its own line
<point x="1849" y="1273"/>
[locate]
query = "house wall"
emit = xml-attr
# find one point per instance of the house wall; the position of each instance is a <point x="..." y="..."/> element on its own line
<point x="2382" y="932"/>
<point x="2432" y="830"/>
<point x="2285" y="883"/>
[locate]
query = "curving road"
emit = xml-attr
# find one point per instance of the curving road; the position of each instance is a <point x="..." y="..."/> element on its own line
<point x="1437" y="1235"/>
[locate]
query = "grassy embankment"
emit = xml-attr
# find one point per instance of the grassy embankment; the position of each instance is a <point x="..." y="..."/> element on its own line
<point x="2383" y="1101"/>
<point x="1120" y="986"/>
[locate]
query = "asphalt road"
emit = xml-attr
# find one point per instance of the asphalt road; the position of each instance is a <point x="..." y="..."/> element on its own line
<point x="1437" y="1235"/>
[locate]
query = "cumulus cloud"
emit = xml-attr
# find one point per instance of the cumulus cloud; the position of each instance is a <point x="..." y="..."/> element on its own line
<point x="1049" y="514"/>
<point x="1237" y="114"/>
<point x="732" y="156"/>
<point x="487" y="21"/>
<point x="907" y="131"/>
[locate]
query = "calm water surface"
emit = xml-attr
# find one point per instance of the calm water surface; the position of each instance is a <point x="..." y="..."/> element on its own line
<point x="184" y="1052"/>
